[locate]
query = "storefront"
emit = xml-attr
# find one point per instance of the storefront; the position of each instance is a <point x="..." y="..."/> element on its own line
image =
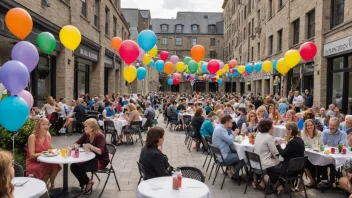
<point x="229" y="86"/>
<point x="213" y="87"/>
<point x="108" y="69"/>
<point x="339" y="91"/>
<point x="199" y="86"/>
<point x="295" y="82"/>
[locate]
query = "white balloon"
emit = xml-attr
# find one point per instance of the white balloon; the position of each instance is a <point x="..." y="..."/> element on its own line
<point x="2" y="89"/>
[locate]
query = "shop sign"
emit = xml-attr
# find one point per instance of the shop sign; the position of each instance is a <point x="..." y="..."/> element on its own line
<point x="338" y="46"/>
<point x="87" y="53"/>
<point x="108" y="62"/>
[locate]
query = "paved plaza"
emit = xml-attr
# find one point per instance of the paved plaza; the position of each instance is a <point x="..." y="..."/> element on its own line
<point x="174" y="147"/>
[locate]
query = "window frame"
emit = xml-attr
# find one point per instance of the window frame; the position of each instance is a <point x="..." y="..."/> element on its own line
<point x="194" y="39"/>
<point x="213" y="41"/>
<point x="115" y="26"/>
<point x="194" y="26"/>
<point x="212" y="54"/>
<point x="107" y="20"/>
<point x="84" y="8"/>
<point x="333" y="20"/>
<point x="311" y="24"/>
<point x="164" y="41"/>
<point x="271" y="45"/>
<point x="279" y="40"/>
<point x="178" y="30"/>
<point x="178" y="41"/>
<point x="211" y="29"/>
<point x="296" y="27"/>
<point x="164" y="30"/>
<point x="96" y="15"/>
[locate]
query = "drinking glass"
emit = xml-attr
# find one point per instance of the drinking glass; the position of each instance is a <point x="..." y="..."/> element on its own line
<point x="63" y="152"/>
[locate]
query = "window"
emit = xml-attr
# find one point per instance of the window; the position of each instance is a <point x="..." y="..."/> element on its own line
<point x="211" y="29"/>
<point x="270" y="40"/>
<point x="164" y="41"/>
<point x="249" y="29"/>
<point x="270" y="8"/>
<point x="252" y="54"/>
<point x="178" y="28"/>
<point x="245" y="12"/>
<point x="96" y="13"/>
<point x="253" y="26"/>
<point x="194" y="41"/>
<point x="212" y="54"/>
<point x="281" y="3"/>
<point x="84" y="8"/>
<point x="164" y="28"/>
<point x="295" y="31"/>
<point x="212" y="41"/>
<point x="115" y="26"/>
<point x="205" y="16"/>
<point x="258" y="17"/>
<point x="178" y="41"/>
<point x="194" y="28"/>
<point x="122" y="30"/>
<point x="337" y="12"/>
<point x="258" y="51"/>
<point x="279" y="41"/>
<point x="311" y="24"/>
<point x="244" y="34"/>
<point x="107" y="13"/>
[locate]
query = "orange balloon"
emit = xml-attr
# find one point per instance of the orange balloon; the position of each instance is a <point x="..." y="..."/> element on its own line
<point x="168" y="67"/>
<point x="19" y="22"/>
<point x="197" y="53"/>
<point x="116" y="42"/>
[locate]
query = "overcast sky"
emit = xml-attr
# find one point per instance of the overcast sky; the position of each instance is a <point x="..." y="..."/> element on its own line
<point x="169" y="8"/>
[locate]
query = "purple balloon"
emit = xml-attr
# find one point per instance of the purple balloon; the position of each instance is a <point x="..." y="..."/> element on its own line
<point x="221" y="64"/>
<point x="174" y="59"/>
<point x="15" y="76"/>
<point x="26" y="53"/>
<point x="141" y="54"/>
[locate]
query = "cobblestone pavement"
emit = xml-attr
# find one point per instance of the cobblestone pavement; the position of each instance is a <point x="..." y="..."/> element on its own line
<point x="174" y="147"/>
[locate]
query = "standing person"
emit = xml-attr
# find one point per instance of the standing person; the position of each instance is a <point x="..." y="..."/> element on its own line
<point x="290" y="97"/>
<point x="7" y="174"/>
<point x="149" y="114"/>
<point x="297" y="101"/>
<point x="308" y="100"/>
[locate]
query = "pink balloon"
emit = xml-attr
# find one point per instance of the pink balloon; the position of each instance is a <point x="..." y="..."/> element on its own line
<point x="129" y="51"/>
<point x="27" y="97"/>
<point x="213" y="66"/>
<point x="177" y="75"/>
<point x="174" y="59"/>
<point x="192" y="77"/>
<point x="164" y="55"/>
<point x="141" y="54"/>
<point x="221" y="64"/>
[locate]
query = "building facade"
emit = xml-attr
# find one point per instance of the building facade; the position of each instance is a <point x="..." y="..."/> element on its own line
<point x="257" y="30"/>
<point x="177" y="36"/>
<point x="94" y="67"/>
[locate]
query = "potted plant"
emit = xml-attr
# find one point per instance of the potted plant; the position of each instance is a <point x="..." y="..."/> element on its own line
<point x="339" y="147"/>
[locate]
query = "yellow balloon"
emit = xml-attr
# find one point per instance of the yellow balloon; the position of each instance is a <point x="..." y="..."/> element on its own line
<point x="220" y="72"/>
<point x="241" y="69"/>
<point x="281" y="66"/>
<point x="226" y="67"/>
<point x="70" y="37"/>
<point x="180" y="66"/>
<point x="217" y="77"/>
<point x="292" y="58"/>
<point x="146" y="59"/>
<point x="153" y="52"/>
<point x="129" y="73"/>
<point x="267" y="66"/>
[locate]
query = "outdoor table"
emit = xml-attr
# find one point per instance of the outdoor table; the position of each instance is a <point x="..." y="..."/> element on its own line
<point x="31" y="188"/>
<point x="162" y="187"/>
<point x="119" y="123"/>
<point x="279" y="131"/>
<point x="180" y="116"/>
<point x="321" y="159"/>
<point x="66" y="192"/>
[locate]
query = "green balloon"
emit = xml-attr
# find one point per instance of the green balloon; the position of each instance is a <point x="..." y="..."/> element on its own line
<point x="187" y="59"/>
<point x="192" y="66"/>
<point x="209" y="80"/>
<point x="46" y="41"/>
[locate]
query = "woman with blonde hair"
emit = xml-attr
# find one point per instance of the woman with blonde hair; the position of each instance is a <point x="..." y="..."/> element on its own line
<point x="7" y="173"/>
<point x="38" y="142"/>
<point x="261" y="113"/>
<point x="290" y="116"/>
<point x="50" y="107"/>
<point x="133" y="116"/>
<point x="274" y="114"/>
<point x="95" y="140"/>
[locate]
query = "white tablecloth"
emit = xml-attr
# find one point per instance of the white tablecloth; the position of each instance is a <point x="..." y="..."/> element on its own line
<point x="162" y="187"/>
<point x="180" y="116"/>
<point x="242" y="147"/>
<point x="34" y="188"/>
<point x="321" y="159"/>
<point x="119" y="123"/>
<point x="83" y="157"/>
<point x="279" y="131"/>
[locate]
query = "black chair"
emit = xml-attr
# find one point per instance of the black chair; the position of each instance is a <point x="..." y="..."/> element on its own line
<point x="192" y="173"/>
<point x="19" y="172"/>
<point x="192" y="133"/>
<point x="209" y="141"/>
<point x="77" y="124"/>
<point x="108" y="170"/>
<point x="173" y="121"/>
<point x="187" y="119"/>
<point x="254" y="158"/>
<point x="219" y="164"/>
<point x="135" y="129"/>
<point x="207" y="149"/>
<point x="141" y="172"/>
<point x="109" y="128"/>
<point x="296" y="165"/>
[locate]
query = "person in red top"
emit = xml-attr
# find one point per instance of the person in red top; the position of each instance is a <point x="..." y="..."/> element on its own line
<point x="97" y="144"/>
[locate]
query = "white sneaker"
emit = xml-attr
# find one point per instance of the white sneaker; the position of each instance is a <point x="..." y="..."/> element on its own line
<point x="62" y="130"/>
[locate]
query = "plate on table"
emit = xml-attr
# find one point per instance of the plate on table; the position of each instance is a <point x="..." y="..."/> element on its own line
<point x="51" y="152"/>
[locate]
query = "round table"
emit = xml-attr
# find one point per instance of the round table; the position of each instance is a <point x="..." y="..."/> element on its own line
<point x="162" y="187"/>
<point x="119" y="123"/>
<point x="65" y="191"/>
<point x="279" y="131"/>
<point x="31" y="188"/>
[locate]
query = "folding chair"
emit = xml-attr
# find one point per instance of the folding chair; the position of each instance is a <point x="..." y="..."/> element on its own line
<point x="219" y="164"/>
<point x="192" y="173"/>
<point x="109" y="128"/>
<point x="141" y="172"/>
<point x="135" y="129"/>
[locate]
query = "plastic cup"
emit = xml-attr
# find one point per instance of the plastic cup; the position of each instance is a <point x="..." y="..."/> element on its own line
<point x="86" y="148"/>
<point x="332" y="149"/>
<point x="63" y="152"/>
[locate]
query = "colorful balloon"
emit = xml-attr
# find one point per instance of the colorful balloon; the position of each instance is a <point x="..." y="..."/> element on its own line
<point x="47" y="42"/>
<point x="226" y="67"/>
<point x="307" y="51"/>
<point x="168" y="68"/>
<point x="177" y="75"/>
<point x="116" y="43"/>
<point x="164" y="55"/>
<point x="146" y="59"/>
<point x="220" y="72"/>
<point x="292" y="58"/>
<point x="205" y="67"/>
<point x="281" y="66"/>
<point x="197" y="52"/>
<point x="241" y="69"/>
<point x="19" y="22"/>
<point x="151" y="63"/>
<point x="16" y="115"/>
<point x="213" y="66"/>
<point x="129" y="51"/>
<point x="153" y="52"/>
<point x="221" y="64"/>
<point x="174" y="59"/>
<point x="233" y="64"/>
<point x="146" y="40"/>
<point x="141" y="73"/>
<point x="236" y="74"/>
<point x="129" y="73"/>
<point x="175" y="81"/>
<point x="249" y="68"/>
<point x="169" y="81"/>
<point x="267" y="66"/>
<point x="26" y="96"/>
<point x="159" y="65"/>
<point x="220" y="81"/>
<point x="15" y="76"/>
<point x="192" y="66"/>
<point x="70" y="37"/>
<point x="229" y="75"/>
<point x="187" y="59"/>
<point x="274" y="64"/>
<point x="258" y="66"/>
<point x="26" y="53"/>
<point x="140" y="54"/>
<point x="180" y="66"/>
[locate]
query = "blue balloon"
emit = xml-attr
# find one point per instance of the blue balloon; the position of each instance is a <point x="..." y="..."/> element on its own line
<point x="249" y="68"/>
<point x="236" y="74"/>
<point x="16" y="115"/>
<point x="169" y="81"/>
<point x="152" y="64"/>
<point x="258" y="66"/>
<point x="141" y="73"/>
<point x="159" y="65"/>
<point x="274" y="64"/>
<point x="236" y="69"/>
<point x="147" y="40"/>
<point x="229" y="75"/>
<point x="205" y="67"/>
<point x="188" y="76"/>
<point x="220" y="81"/>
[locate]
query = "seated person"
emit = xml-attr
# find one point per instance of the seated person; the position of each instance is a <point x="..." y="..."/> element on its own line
<point x="109" y="111"/>
<point x="207" y="127"/>
<point x="69" y="119"/>
<point x="7" y="174"/>
<point x="132" y="115"/>
<point x="242" y="117"/>
<point x="149" y="114"/>
<point x="346" y="126"/>
<point x="155" y="163"/>
<point x="208" y="107"/>
<point x="196" y="123"/>
<point x="345" y="182"/>
<point x="250" y="126"/>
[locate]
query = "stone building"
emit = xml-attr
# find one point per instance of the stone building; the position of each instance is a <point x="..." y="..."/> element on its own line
<point x="177" y="36"/>
<point x="94" y="67"/>
<point x="264" y="30"/>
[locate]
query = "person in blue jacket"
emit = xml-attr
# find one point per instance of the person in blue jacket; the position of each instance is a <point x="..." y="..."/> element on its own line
<point x="207" y="127"/>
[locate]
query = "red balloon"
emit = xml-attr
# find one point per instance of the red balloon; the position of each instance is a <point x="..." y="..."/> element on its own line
<point x="164" y="55"/>
<point x="175" y="81"/>
<point x="308" y="50"/>
<point x="129" y="51"/>
<point x="232" y="64"/>
<point x="213" y="66"/>
<point x="232" y="71"/>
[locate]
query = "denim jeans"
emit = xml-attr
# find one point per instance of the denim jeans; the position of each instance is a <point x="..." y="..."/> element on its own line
<point x="232" y="159"/>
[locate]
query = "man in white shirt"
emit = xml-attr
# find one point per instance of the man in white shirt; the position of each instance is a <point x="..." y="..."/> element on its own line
<point x="298" y="101"/>
<point x="63" y="108"/>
